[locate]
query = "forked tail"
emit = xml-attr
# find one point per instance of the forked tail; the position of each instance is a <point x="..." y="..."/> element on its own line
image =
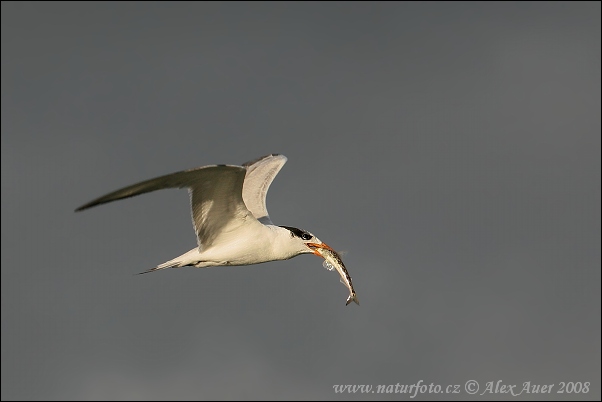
<point x="168" y="264"/>
<point x="189" y="258"/>
<point x="149" y="270"/>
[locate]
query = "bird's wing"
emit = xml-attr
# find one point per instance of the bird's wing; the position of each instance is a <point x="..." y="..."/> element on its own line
<point x="260" y="174"/>
<point x="215" y="195"/>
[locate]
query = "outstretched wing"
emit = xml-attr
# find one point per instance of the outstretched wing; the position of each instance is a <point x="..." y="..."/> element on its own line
<point x="260" y="174"/>
<point x="215" y="196"/>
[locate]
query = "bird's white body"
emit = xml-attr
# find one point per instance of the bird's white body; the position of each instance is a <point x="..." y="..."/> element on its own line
<point x="249" y="246"/>
<point x="229" y="215"/>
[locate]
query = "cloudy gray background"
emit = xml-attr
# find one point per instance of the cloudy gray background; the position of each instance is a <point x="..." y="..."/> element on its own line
<point x="452" y="149"/>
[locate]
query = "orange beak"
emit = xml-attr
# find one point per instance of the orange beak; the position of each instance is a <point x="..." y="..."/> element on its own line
<point x="315" y="246"/>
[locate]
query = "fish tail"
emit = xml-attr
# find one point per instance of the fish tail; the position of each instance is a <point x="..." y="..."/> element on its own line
<point x="352" y="298"/>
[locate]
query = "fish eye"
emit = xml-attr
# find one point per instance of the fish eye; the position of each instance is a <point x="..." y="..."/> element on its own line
<point x="306" y="236"/>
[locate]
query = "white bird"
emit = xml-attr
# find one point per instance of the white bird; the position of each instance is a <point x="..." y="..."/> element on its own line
<point x="230" y="218"/>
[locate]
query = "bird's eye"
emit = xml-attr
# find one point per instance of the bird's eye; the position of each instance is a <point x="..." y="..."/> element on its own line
<point x="306" y="236"/>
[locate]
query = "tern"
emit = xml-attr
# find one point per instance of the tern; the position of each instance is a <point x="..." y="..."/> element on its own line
<point x="230" y="218"/>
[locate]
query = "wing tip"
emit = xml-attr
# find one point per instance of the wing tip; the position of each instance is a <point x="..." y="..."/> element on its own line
<point x="83" y="207"/>
<point x="254" y="161"/>
<point x="87" y="206"/>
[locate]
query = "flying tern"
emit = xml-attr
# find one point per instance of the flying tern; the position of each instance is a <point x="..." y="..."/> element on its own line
<point x="230" y="218"/>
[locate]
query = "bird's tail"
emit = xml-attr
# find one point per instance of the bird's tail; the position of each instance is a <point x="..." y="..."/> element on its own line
<point x="149" y="270"/>
<point x="168" y="264"/>
<point x="175" y="263"/>
<point x="185" y="259"/>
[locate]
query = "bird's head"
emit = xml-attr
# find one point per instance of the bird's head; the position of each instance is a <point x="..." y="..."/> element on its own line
<point x="303" y="242"/>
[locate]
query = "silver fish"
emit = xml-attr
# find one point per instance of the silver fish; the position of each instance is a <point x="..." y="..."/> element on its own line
<point x="332" y="259"/>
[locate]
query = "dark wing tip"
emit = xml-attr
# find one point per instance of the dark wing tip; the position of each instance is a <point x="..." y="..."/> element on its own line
<point x="86" y="206"/>
<point x="91" y="204"/>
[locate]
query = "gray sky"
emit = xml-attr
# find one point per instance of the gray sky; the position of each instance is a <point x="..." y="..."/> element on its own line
<point x="452" y="149"/>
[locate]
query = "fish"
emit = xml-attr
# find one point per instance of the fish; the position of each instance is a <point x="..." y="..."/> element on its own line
<point x="333" y="260"/>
